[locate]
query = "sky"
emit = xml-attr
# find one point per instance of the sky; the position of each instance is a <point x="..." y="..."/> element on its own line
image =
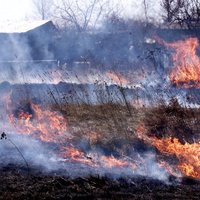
<point x="16" y="10"/>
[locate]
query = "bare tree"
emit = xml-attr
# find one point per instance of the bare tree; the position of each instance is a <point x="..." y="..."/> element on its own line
<point x="82" y="14"/>
<point x="191" y="14"/>
<point x="43" y="8"/>
<point x="145" y="10"/>
<point x="172" y="9"/>
<point x="185" y="13"/>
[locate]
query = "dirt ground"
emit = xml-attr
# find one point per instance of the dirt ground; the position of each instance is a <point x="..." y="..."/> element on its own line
<point x="17" y="183"/>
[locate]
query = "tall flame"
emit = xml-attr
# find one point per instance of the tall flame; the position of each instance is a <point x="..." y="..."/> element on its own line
<point x="186" y="70"/>
<point x="187" y="154"/>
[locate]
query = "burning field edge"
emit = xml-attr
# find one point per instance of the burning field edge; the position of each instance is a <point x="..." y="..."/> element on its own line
<point x="112" y="150"/>
<point x="130" y="142"/>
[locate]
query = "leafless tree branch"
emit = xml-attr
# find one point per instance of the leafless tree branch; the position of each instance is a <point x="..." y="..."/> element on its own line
<point x="185" y="13"/>
<point x="82" y="15"/>
<point x="43" y="8"/>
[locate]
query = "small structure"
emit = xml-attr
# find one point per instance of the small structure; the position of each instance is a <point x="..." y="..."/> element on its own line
<point x="28" y="40"/>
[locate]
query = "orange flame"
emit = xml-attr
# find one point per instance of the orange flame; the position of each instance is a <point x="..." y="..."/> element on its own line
<point x="49" y="126"/>
<point x="74" y="154"/>
<point x="187" y="154"/>
<point x="110" y="162"/>
<point x="116" y="78"/>
<point x="186" y="71"/>
<point x="46" y="125"/>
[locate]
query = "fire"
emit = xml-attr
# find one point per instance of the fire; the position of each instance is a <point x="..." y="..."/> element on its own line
<point x="187" y="154"/>
<point x="70" y="153"/>
<point x="56" y="77"/>
<point x="116" y="78"/>
<point x="171" y="169"/>
<point x="110" y="162"/>
<point x="46" y="125"/>
<point x="186" y="71"/>
<point x="73" y="154"/>
<point x="50" y="126"/>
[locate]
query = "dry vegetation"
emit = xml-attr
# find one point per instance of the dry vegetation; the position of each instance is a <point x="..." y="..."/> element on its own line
<point x="112" y="128"/>
<point x="111" y="122"/>
<point x="108" y="126"/>
<point x="173" y="120"/>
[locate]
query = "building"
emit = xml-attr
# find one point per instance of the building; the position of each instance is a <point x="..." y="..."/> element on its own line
<point x="28" y="40"/>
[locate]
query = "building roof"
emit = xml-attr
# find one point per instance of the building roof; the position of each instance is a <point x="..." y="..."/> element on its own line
<point x="21" y="26"/>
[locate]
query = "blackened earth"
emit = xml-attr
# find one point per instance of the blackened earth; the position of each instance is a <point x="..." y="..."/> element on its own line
<point x="17" y="182"/>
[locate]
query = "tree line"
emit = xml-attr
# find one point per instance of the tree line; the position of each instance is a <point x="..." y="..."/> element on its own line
<point x="84" y="15"/>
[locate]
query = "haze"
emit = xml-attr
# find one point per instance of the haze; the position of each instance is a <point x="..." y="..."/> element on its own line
<point x="16" y="10"/>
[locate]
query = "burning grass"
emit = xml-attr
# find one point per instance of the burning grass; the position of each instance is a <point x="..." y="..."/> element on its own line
<point x="154" y="142"/>
<point x="169" y="128"/>
<point x="147" y="141"/>
<point x="163" y="120"/>
<point x="185" y="61"/>
<point x="161" y="142"/>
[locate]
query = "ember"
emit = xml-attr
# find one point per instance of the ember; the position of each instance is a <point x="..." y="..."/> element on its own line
<point x="111" y="162"/>
<point x="116" y="78"/>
